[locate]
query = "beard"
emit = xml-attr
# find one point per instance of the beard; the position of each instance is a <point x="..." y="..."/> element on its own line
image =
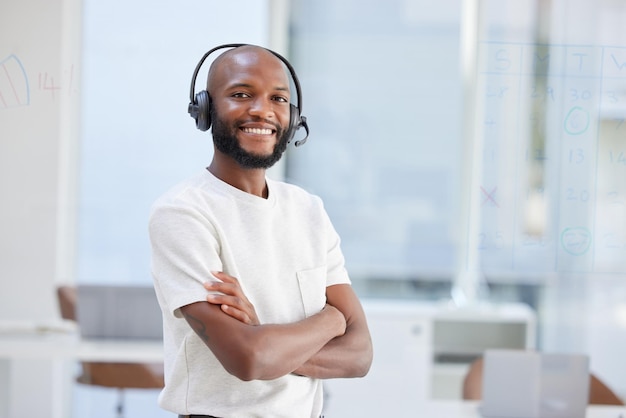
<point x="225" y="140"/>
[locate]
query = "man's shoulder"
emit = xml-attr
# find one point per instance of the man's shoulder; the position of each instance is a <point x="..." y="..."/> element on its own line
<point x="292" y="197"/>
<point x="183" y="193"/>
<point x="293" y="190"/>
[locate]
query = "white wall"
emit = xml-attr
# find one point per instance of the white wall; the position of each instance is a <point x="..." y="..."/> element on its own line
<point x="39" y="101"/>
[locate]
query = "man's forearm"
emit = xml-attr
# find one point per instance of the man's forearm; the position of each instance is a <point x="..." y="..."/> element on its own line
<point x="283" y="348"/>
<point x="263" y="352"/>
<point x="347" y="356"/>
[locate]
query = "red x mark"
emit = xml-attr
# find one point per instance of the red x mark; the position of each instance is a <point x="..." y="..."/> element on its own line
<point x="490" y="196"/>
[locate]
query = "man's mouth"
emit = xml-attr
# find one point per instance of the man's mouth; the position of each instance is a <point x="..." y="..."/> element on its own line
<point x="258" y="131"/>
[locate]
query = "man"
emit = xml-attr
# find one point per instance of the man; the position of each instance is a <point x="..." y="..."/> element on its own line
<point x="257" y="305"/>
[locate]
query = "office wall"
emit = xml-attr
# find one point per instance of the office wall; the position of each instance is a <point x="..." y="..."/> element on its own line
<point x="39" y="97"/>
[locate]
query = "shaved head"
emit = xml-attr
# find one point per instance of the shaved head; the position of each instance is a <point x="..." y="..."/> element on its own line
<point x="245" y="55"/>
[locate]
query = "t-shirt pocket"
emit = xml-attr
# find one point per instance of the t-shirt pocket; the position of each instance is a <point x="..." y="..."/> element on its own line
<point x="312" y="284"/>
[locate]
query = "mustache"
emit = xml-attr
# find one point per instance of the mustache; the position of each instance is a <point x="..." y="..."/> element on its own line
<point x="275" y="124"/>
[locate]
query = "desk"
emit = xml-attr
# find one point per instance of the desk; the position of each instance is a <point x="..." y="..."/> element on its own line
<point x="133" y="351"/>
<point x="67" y="346"/>
<point x="469" y="409"/>
<point x="414" y="345"/>
<point x="39" y="361"/>
<point x="457" y="409"/>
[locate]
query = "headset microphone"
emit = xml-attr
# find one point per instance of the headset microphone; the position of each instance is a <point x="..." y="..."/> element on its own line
<point x="200" y="103"/>
<point x="305" y="125"/>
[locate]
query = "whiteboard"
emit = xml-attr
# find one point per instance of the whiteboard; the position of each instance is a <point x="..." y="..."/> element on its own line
<point x="39" y="94"/>
<point x="553" y="187"/>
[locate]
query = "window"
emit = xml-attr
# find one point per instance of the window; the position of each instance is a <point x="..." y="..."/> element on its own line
<point x="383" y="96"/>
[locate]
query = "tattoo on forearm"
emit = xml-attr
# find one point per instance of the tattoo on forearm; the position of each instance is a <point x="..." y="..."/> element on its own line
<point x="198" y="327"/>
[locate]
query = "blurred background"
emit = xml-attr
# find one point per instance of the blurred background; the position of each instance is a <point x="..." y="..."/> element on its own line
<point x="470" y="153"/>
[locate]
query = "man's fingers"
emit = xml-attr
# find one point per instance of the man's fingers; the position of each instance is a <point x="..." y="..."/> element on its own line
<point x="235" y="307"/>
<point x="237" y="314"/>
<point x="217" y="299"/>
<point x="224" y="277"/>
<point x="231" y="306"/>
<point x="225" y="288"/>
<point x="227" y="293"/>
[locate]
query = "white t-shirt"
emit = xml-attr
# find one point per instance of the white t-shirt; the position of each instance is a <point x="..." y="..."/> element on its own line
<point x="283" y="250"/>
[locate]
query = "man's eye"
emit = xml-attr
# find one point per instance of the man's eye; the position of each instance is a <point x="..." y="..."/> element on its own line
<point x="281" y="99"/>
<point x="241" y="95"/>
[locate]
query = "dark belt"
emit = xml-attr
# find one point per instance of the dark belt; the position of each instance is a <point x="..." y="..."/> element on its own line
<point x="196" y="416"/>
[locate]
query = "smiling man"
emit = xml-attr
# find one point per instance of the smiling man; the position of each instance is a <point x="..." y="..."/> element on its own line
<point x="257" y="304"/>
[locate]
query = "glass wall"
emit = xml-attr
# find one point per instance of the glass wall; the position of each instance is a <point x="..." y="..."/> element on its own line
<point x="387" y="91"/>
<point x="383" y="97"/>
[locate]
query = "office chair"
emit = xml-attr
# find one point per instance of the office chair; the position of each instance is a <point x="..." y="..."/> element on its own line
<point x="112" y="375"/>
<point x="599" y="392"/>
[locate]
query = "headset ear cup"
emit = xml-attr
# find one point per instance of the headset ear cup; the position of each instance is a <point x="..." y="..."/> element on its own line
<point x="203" y="102"/>
<point x="294" y="122"/>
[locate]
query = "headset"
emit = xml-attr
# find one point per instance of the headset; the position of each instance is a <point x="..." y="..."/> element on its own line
<point x="200" y="104"/>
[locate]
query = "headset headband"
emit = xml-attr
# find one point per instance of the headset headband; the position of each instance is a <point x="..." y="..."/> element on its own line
<point x="199" y="104"/>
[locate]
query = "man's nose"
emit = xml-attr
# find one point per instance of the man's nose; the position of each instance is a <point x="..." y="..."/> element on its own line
<point x="263" y="108"/>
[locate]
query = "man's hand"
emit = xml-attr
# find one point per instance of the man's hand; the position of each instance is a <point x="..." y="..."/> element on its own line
<point x="231" y="298"/>
<point x="349" y="355"/>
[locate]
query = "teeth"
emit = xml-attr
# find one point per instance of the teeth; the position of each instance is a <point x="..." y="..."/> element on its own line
<point x="258" y="131"/>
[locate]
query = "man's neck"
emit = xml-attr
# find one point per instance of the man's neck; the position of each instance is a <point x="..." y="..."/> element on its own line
<point x="245" y="179"/>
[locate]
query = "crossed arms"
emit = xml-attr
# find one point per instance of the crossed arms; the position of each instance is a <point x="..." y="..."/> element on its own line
<point x="333" y="343"/>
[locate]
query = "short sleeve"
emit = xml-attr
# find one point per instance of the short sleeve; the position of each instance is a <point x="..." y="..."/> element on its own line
<point x="184" y="252"/>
